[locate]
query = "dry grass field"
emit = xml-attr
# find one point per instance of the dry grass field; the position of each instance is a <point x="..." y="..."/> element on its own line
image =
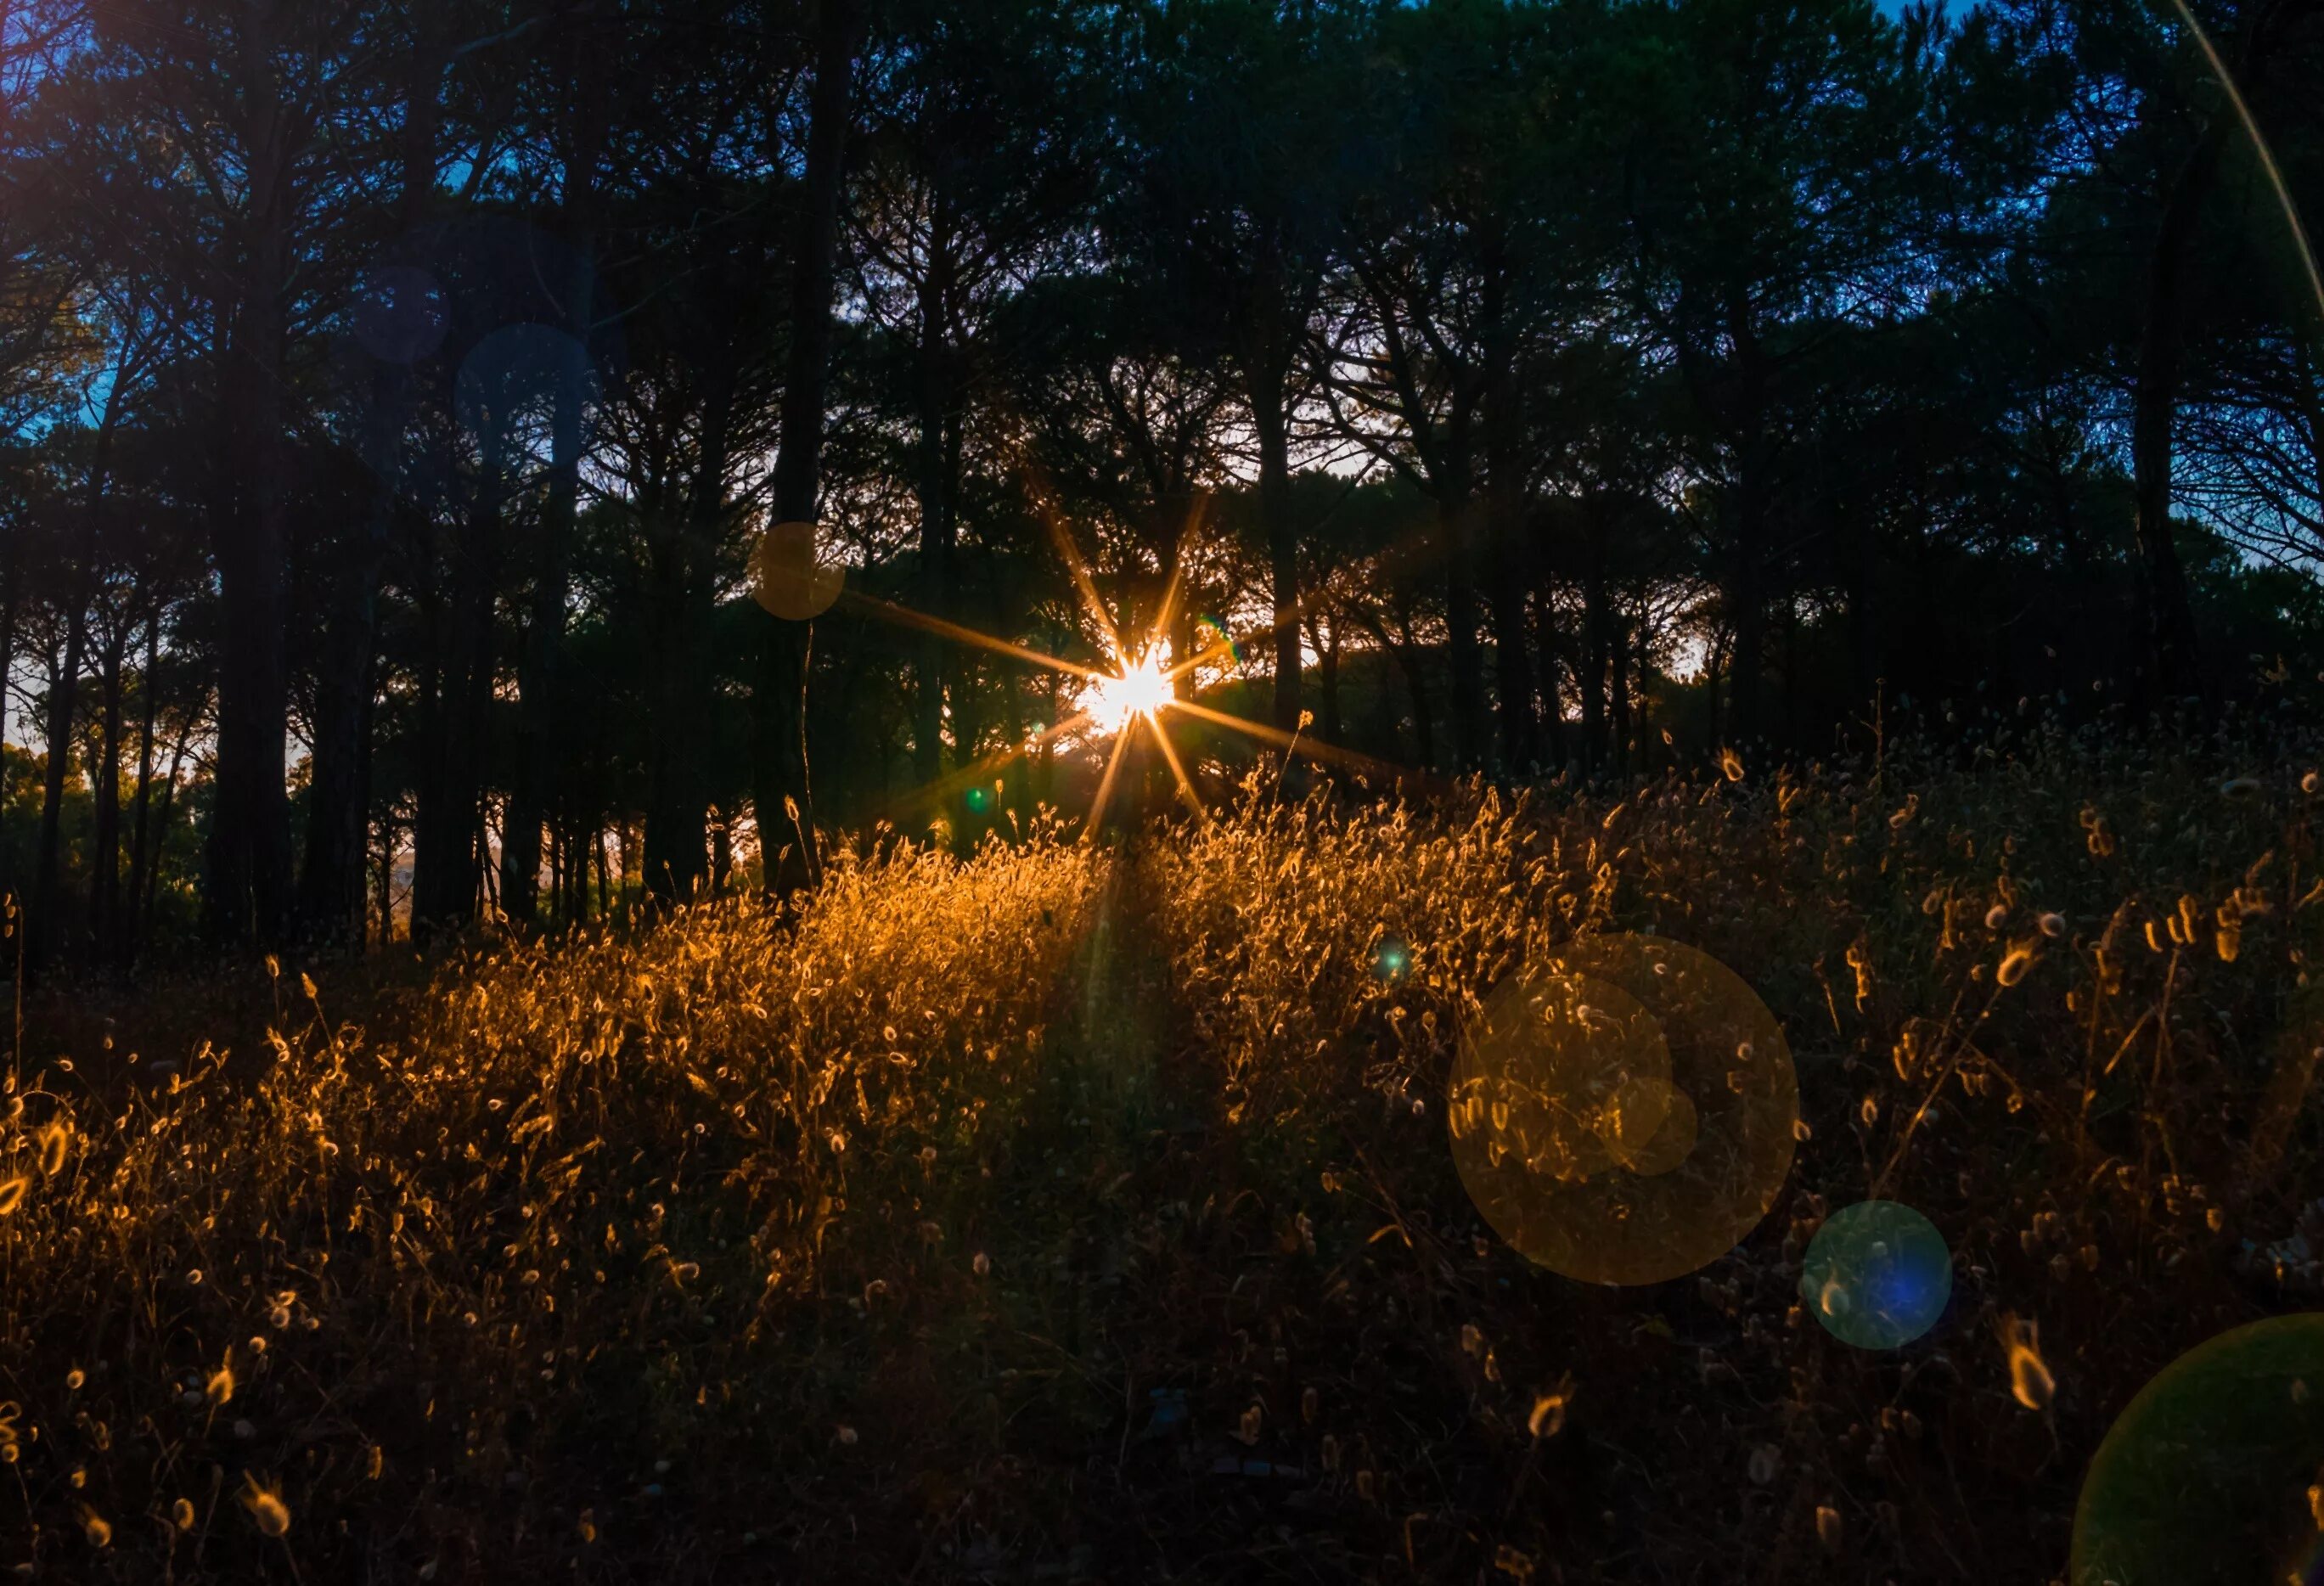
<point x="1072" y="1212"/>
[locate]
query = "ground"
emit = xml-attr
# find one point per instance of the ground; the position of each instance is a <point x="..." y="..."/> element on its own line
<point x="1070" y="1210"/>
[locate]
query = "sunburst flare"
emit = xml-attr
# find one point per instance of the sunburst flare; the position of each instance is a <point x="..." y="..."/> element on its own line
<point x="1141" y="688"/>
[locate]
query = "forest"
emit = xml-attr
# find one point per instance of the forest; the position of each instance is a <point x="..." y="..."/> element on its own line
<point x="1161" y="791"/>
<point x="394" y="395"/>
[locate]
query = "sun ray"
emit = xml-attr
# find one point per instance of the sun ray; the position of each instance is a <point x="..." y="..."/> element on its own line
<point x="872" y="606"/>
<point x="1105" y="788"/>
<point x="969" y="776"/>
<point x="1170" y="593"/>
<point x="1309" y="746"/>
<point x="1040" y="496"/>
<point x="1185" y="786"/>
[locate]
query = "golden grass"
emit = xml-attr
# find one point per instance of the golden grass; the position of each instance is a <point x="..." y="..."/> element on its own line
<point x="1033" y="1213"/>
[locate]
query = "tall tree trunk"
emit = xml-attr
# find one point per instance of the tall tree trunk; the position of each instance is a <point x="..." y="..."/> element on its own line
<point x="932" y="485"/>
<point x="339" y="796"/>
<point x="48" y="891"/>
<point x="540" y="665"/>
<point x="105" y="859"/>
<point x="683" y="600"/>
<point x="1455" y="509"/>
<point x="45" y="938"/>
<point x="1595" y="628"/>
<point x="11" y="590"/>
<point x="1424" y="714"/>
<point x="1746" y="597"/>
<point x="1546" y="646"/>
<point x="436" y="826"/>
<point x="779" y="772"/>
<point x="144" y="903"/>
<point x="1328" y="677"/>
<point x="141" y="832"/>
<point x="1747" y="591"/>
<point x="448" y="858"/>
<point x="1505" y="529"/>
<point x="2169" y="662"/>
<point x="1617" y="691"/>
<point x="1266" y="378"/>
<point x="247" y="897"/>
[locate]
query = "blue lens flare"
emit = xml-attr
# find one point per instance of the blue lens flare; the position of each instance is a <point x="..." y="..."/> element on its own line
<point x="1877" y="1276"/>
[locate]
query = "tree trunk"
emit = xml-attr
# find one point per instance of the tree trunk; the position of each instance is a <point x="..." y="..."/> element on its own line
<point x="1552" y="701"/>
<point x="247" y="897"/>
<point x="538" y="667"/>
<point x="152" y="885"/>
<point x="104" y="866"/>
<point x="932" y="485"/>
<point x="44" y="937"/>
<point x="10" y="597"/>
<point x="2169" y="663"/>
<point x="1505" y="528"/>
<point x="47" y="890"/>
<point x="339" y="796"/>
<point x="683" y="603"/>
<point x="448" y="855"/>
<point x="779" y="772"/>
<point x="435" y="824"/>
<point x="1618" y="692"/>
<point x="1423" y="718"/>
<point x="1748" y="615"/>
<point x="1595" y="626"/>
<point x="1328" y="673"/>
<point x="1266" y="379"/>
<point x="140" y="833"/>
<point x="1455" y="511"/>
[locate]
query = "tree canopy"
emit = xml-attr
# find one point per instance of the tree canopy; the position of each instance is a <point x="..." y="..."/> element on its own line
<point x="393" y="394"/>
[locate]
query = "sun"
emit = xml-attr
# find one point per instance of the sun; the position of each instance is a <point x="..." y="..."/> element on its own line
<point x="1141" y="689"/>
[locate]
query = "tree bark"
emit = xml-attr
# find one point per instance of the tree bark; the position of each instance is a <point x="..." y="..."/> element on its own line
<point x="144" y="903"/>
<point x="1594" y="641"/>
<point x="105" y="859"/>
<point x="682" y="602"/>
<point x="1266" y="376"/>
<point x="2169" y="662"/>
<point x="932" y="483"/>
<point x="779" y="771"/>
<point x="140" y="833"/>
<point x="331" y="880"/>
<point x="247" y="897"/>
<point x="48" y="891"/>
<point x="44" y="937"/>
<point x="1504" y="526"/>
<point x="540" y="665"/>
<point x="1552" y="701"/>
<point x="449" y="854"/>
<point x="1455" y="511"/>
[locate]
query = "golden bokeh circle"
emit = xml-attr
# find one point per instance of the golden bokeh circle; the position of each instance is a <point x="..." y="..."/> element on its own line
<point x="1624" y="1112"/>
<point x="787" y="578"/>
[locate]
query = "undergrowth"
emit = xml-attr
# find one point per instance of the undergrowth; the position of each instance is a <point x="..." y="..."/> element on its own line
<point x="1070" y="1212"/>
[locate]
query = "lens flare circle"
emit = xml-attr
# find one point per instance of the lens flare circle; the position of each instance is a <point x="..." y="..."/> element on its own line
<point x="2209" y="1476"/>
<point x="788" y="578"/>
<point x="1878" y="1275"/>
<point x="1141" y="688"/>
<point x="1622" y="1112"/>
